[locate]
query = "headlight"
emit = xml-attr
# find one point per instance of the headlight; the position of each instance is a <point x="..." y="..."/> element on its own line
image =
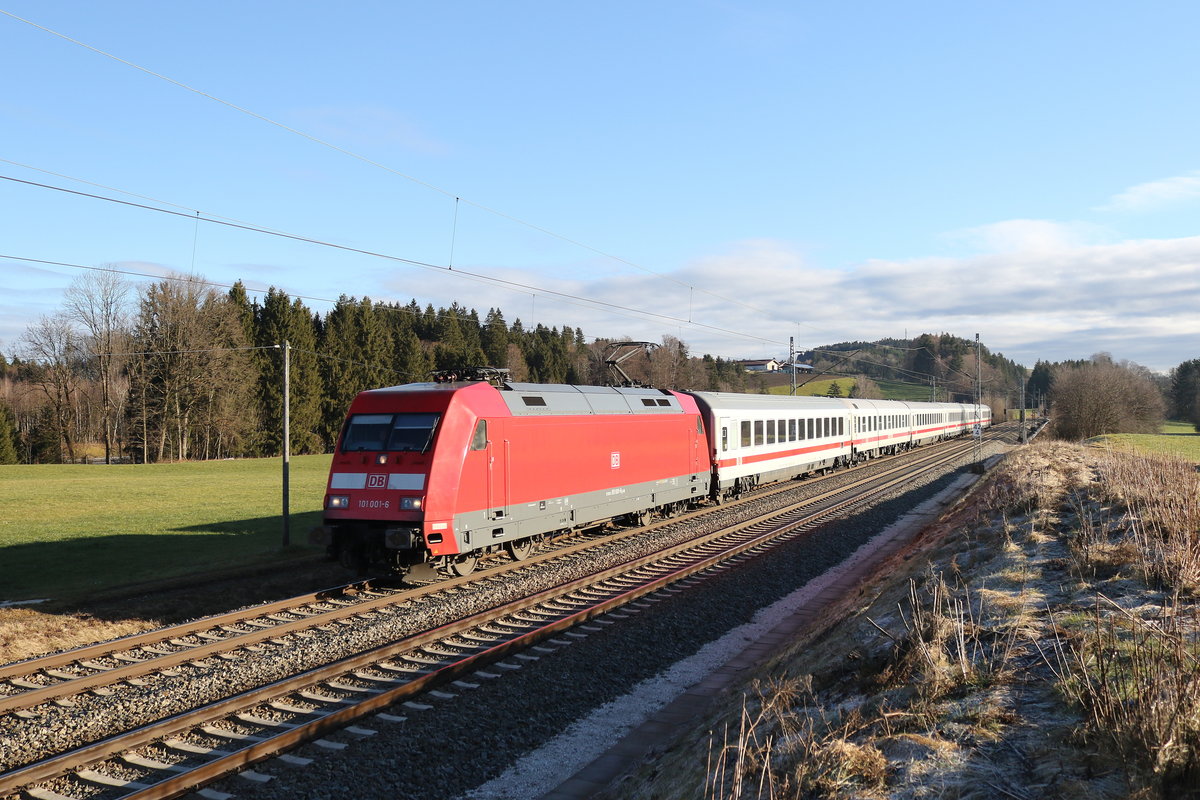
<point x="337" y="501"/>
<point x="410" y="503"/>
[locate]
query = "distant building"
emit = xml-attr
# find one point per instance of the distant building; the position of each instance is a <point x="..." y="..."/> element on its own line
<point x="798" y="368"/>
<point x="769" y="365"/>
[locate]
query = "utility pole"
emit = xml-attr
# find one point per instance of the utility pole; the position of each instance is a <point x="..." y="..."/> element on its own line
<point x="287" y="438"/>
<point x="978" y="372"/>
<point x="977" y="428"/>
<point x="1024" y="439"/>
<point x="792" y="361"/>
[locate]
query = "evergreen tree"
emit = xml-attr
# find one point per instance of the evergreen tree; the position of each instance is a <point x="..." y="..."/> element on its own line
<point x="1185" y="392"/>
<point x="925" y="357"/>
<point x="338" y="367"/>
<point x="281" y="320"/>
<point x="495" y="339"/>
<point x="409" y="361"/>
<point x="9" y="437"/>
<point x="1041" y="381"/>
<point x="372" y="346"/>
<point x="244" y="309"/>
<point x="458" y="343"/>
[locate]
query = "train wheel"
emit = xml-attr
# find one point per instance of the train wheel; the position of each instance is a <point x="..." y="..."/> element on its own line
<point x="519" y="550"/>
<point x="463" y="565"/>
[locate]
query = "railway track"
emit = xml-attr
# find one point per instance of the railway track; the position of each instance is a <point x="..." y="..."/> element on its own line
<point x="190" y="749"/>
<point x="54" y="677"/>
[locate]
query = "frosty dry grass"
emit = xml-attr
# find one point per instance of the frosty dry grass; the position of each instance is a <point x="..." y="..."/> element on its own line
<point x="1138" y="682"/>
<point x="1137" y="675"/>
<point x="791" y="742"/>
<point x="1161" y="498"/>
<point x="1129" y="523"/>
<point x="789" y="745"/>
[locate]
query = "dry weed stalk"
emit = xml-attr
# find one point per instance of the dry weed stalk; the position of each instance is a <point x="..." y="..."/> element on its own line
<point x="1138" y="682"/>
<point x="951" y="640"/>
<point x="791" y="746"/>
<point x="1163" y="498"/>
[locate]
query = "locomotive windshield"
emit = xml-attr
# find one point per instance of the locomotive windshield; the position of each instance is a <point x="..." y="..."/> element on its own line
<point x="412" y="432"/>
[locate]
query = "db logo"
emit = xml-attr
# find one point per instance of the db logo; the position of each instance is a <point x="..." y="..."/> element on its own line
<point x="377" y="481"/>
<point x="615" y="459"/>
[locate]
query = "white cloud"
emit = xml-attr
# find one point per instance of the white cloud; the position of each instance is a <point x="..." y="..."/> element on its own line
<point x="1025" y="235"/>
<point x="1154" y="195"/>
<point x="1052" y="301"/>
<point x="1135" y="299"/>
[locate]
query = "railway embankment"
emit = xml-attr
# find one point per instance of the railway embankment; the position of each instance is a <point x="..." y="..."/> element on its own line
<point x="1041" y="641"/>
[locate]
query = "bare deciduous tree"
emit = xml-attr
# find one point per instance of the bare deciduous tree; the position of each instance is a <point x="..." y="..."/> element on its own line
<point x="53" y="345"/>
<point x="99" y="302"/>
<point x="865" y="388"/>
<point x="1102" y="397"/>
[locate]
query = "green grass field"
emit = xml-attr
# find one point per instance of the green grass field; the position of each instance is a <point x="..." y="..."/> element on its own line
<point x="891" y="390"/>
<point x="818" y="387"/>
<point x="74" y="530"/>
<point x="1177" y="439"/>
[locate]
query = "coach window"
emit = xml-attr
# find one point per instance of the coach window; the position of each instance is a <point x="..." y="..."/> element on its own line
<point x="841" y="429"/>
<point x="758" y="432"/>
<point x="724" y="439"/>
<point x="770" y="431"/>
<point x="791" y="430"/>
<point x="479" y="440"/>
<point x="746" y="433"/>
<point x="810" y="429"/>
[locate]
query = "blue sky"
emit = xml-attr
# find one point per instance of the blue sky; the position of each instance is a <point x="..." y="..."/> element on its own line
<point x="729" y="173"/>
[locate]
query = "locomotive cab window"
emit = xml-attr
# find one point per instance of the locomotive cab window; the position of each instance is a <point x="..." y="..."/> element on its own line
<point x="412" y="432"/>
<point x="402" y="432"/>
<point x="366" y="432"/>
<point x="479" y="439"/>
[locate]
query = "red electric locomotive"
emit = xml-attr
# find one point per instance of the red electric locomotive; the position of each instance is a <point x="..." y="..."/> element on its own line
<point x="437" y="474"/>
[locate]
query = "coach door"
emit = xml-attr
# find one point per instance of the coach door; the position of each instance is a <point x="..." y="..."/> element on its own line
<point x="723" y="438"/>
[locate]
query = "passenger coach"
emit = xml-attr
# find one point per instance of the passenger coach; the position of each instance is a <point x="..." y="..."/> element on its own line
<point x="755" y="439"/>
